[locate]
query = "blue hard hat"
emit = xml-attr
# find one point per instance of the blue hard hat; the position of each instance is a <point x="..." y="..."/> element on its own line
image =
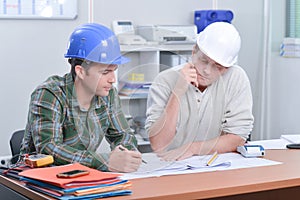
<point x="96" y="43"/>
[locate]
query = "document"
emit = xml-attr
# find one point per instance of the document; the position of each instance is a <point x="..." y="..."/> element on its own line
<point x="278" y="143"/>
<point x="155" y="167"/>
<point x="155" y="164"/>
<point x="271" y="144"/>
<point x="291" y="138"/>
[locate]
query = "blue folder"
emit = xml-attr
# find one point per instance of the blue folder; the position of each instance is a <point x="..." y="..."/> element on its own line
<point x="67" y="193"/>
<point x="90" y="196"/>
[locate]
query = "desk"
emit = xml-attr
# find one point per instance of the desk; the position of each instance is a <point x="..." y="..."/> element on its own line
<point x="270" y="182"/>
<point x="14" y="190"/>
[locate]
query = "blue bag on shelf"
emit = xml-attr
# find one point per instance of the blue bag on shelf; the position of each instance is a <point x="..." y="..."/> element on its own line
<point x="205" y="17"/>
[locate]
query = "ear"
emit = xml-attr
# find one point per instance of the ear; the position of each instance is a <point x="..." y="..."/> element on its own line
<point x="79" y="71"/>
<point x="195" y="49"/>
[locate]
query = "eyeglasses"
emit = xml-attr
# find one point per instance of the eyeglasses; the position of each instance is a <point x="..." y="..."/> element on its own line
<point x="199" y="60"/>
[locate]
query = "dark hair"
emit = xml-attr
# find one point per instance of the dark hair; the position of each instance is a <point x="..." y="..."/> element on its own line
<point x="76" y="61"/>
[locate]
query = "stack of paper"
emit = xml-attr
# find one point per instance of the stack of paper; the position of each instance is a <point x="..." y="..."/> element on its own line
<point x="156" y="167"/>
<point x="290" y="47"/>
<point x="280" y="143"/>
<point x="292" y="138"/>
<point x="96" y="184"/>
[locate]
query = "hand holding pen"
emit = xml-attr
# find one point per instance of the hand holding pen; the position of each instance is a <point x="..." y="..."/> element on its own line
<point x="122" y="148"/>
<point x="189" y="71"/>
<point x="123" y="160"/>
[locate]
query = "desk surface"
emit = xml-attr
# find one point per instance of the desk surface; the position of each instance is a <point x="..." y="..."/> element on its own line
<point x="223" y="183"/>
<point x="211" y="184"/>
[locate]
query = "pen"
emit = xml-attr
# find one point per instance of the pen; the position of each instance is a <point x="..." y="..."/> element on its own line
<point x="190" y="61"/>
<point x="122" y="148"/>
<point x="212" y="159"/>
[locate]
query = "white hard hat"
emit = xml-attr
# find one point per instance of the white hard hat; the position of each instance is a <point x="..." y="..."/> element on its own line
<point x="221" y="42"/>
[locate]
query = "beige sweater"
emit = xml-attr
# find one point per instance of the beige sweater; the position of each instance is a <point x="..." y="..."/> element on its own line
<point x="226" y="105"/>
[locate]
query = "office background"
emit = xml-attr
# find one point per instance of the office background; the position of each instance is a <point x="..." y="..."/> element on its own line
<point x="33" y="49"/>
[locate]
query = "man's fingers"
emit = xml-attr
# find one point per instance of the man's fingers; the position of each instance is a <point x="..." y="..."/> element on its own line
<point x="136" y="154"/>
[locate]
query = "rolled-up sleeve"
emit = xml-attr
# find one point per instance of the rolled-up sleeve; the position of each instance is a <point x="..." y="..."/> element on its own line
<point x="238" y="117"/>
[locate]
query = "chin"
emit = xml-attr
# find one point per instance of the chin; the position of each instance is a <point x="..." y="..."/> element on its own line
<point x="203" y="83"/>
<point x="102" y="94"/>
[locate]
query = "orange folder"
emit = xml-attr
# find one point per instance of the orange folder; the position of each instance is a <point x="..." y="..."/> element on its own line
<point x="123" y="186"/>
<point x="48" y="175"/>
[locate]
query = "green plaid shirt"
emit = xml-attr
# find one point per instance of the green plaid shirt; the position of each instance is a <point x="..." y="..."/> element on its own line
<point x="57" y="126"/>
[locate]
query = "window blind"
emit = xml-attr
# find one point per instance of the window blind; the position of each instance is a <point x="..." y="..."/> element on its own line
<point x="293" y="18"/>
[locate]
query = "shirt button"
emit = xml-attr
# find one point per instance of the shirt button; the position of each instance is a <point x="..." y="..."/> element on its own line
<point x="199" y="100"/>
<point x="197" y="90"/>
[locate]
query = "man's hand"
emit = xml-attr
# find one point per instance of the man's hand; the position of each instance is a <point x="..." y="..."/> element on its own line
<point x="227" y="142"/>
<point x="189" y="72"/>
<point x="187" y="76"/>
<point x="123" y="160"/>
<point x="180" y="153"/>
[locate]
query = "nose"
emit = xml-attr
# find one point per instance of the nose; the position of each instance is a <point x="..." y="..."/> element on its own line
<point x="207" y="68"/>
<point x="112" y="77"/>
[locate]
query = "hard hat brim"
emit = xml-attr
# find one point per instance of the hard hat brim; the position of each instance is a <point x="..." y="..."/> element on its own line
<point x="121" y="60"/>
<point x="118" y="61"/>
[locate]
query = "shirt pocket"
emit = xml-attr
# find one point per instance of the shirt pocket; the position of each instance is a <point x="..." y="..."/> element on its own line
<point x="75" y="137"/>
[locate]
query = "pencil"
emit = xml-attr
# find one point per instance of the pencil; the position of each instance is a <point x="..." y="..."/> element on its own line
<point x="212" y="159"/>
<point x="122" y="148"/>
<point x="138" y="150"/>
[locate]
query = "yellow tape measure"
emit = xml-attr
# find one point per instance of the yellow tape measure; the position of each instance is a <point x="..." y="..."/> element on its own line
<point x="39" y="160"/>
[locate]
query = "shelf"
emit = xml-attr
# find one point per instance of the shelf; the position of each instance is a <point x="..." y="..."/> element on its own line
<point x="165" y="47"/>
<point x="146" y="62"/>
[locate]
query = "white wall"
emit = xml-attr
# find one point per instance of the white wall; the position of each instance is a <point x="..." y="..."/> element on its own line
<point x="285" y="96"/>
<point x="284" y="113"/>
<point x="32" y="50"/>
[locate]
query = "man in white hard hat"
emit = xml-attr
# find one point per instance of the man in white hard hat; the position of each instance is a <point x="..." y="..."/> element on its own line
<point x="205" y="105"/>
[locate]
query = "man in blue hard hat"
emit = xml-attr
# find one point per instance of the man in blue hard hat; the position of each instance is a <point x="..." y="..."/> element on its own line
<point x="69" y="116"/>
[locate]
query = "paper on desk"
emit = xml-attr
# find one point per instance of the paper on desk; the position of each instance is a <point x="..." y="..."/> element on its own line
<point x="278" y="143"/>
<point x="156" y="164"/>
<point x="156" y="167"/>
<point x="291" y="138"/>
<point x="271" y="144"/>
